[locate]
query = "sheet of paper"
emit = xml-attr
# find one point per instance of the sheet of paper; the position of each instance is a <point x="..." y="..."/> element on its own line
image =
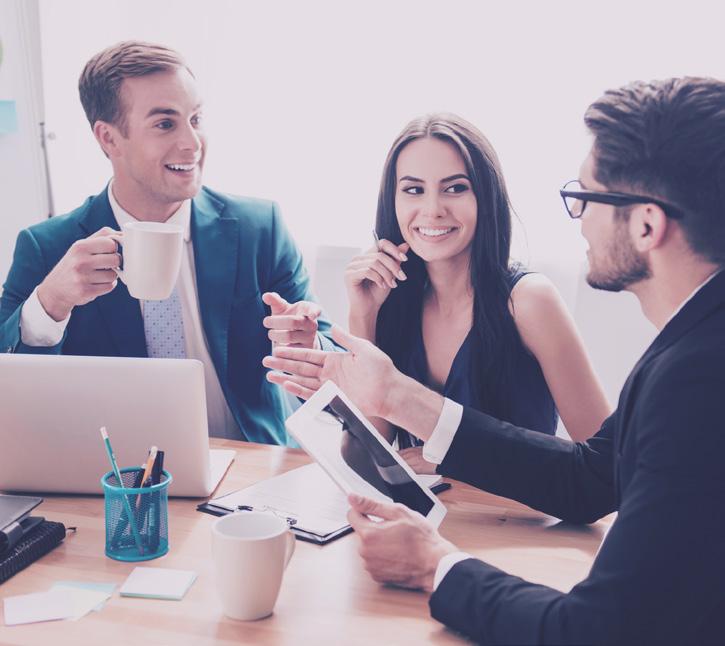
<point x="85" y="596"/>
<point x="38" y="606"/>
<point x="158" y="583"/>
<point x="307" y="494"/>
<point x="108" y="588"/>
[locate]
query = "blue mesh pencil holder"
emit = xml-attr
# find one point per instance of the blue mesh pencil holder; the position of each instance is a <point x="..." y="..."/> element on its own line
<point x="137" y="518"/>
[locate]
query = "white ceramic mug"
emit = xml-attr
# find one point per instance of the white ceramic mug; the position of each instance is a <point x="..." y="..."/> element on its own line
<point x="151" y="258"/>
<point x="250" y="551"/>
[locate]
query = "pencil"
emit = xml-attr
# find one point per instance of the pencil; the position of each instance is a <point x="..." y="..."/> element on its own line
<point x="124" y="498"/>
<point x="149" y="465"/>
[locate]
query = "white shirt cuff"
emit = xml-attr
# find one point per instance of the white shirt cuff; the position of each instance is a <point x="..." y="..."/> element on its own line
<point x="37" y="328"/>
<point x="445" y="565"/>
<point x="440" y="440"/>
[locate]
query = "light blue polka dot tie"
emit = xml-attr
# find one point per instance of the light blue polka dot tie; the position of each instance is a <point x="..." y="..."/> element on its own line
<point x="164" y="328"/>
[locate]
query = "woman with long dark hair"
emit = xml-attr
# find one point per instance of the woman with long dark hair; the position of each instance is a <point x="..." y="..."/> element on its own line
<point x="440" y="295"/>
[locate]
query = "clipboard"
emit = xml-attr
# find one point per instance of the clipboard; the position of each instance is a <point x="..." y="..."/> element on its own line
<point x="313" y="506"/>
<point x="301" y="534"/>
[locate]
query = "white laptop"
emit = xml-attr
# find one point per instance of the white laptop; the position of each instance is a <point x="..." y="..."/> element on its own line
<point x="52" y="407"/>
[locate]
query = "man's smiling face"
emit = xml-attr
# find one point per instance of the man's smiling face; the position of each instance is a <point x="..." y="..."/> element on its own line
<point x="160" y="149"/>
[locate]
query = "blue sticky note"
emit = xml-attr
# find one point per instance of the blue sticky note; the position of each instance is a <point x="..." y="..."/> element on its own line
<point x="158" y="583"/>
<point x="8" y="117"/>
<point x="99" y="587"/>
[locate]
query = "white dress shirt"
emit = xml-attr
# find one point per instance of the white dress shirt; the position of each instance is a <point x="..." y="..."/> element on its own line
<point x="37" y="328"/>
<point x="434" y="450"/>
<point x="441" y="438"/>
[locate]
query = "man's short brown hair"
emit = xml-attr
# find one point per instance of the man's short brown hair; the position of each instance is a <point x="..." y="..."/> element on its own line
<point x="666" y="139"/>
<point x="101" y="79"/>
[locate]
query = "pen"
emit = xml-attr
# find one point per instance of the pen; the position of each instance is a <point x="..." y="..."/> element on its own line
<point x="155" y="508"/>
<point x="126" y="504"/>
<point x="146" y="499"/>
<point x="441" y="487"/>
<point x="377" y="240"/>
<point x="158" y="468"/>
<point x="401" y="256"/>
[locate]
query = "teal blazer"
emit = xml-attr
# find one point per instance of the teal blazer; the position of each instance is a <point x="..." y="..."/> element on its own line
<point x="241" y="250"/>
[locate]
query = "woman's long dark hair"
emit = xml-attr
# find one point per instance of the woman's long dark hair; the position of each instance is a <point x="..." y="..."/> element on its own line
<point x="495" y="333"/>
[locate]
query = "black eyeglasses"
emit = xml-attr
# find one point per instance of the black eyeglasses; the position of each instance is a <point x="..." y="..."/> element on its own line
<point x="575" y="200"/>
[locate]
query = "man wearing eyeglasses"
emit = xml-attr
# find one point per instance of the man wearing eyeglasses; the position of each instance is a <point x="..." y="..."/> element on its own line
<point x="651" y="200"/>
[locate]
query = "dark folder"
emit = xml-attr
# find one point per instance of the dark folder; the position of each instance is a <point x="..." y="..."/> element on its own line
<point x="34" y="544"/>
<point x="23" y="538"/>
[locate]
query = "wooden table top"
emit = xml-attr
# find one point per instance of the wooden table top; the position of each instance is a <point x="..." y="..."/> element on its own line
<point x="326" y="595"/>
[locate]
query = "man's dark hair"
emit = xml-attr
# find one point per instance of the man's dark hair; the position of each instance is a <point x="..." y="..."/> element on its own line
<point x="666" y="139"/>
<point x="101" y="79"/>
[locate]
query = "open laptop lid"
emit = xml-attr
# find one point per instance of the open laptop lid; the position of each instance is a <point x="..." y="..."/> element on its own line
<point x="51" y="408"/>
<point x="354" y="454"/>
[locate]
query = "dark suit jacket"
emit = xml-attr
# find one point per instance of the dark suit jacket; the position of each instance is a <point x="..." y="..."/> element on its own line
<point x="241" y="250"/>
<point x="659" y="460"/>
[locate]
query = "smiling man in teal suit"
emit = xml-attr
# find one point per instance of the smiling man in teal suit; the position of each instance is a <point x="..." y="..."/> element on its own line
<point x="62" y="295"/>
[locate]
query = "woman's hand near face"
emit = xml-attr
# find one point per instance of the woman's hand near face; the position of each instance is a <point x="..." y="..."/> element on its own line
<point x="369" y="278"/>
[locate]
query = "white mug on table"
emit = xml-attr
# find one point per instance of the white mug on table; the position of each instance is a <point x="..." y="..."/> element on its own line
<point x="250" y="551"/>
<point x="151" y="254"/>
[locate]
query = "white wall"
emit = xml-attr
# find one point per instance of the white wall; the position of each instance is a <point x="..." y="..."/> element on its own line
<point x="22" y="180"/>
<point x="304" y="99"/>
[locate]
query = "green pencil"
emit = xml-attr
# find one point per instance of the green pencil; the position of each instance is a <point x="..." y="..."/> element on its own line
<point x="126" y="504"/>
